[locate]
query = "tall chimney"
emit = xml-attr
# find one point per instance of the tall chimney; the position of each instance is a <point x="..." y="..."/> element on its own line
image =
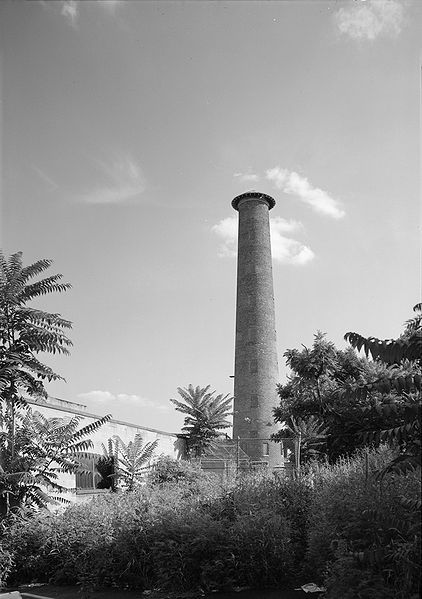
<point x="256" y="365"/>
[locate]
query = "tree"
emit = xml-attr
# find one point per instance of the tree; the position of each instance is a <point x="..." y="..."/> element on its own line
<point x="130" y="460"/>
<point x="33" y="449"/>
<point x="311" y="433"/>
<point x="394" y="351"/>
<point x="44" y="448"/>
<point x="358" y="401"/>
<point x="402" y="383"/>
<point x="319" y="386"/>
<point x="206" y="416"/>
<point x="310" y="392"/>
<point x="25" y="332"/>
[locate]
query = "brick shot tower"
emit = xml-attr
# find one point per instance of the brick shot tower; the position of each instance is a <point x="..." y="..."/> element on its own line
<point x="256" y="365"/>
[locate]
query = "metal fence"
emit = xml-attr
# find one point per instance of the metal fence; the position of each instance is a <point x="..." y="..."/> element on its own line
<point x="232" y="456"/>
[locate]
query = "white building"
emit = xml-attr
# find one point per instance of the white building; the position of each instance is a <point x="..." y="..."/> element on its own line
<point x="169" y="444"/>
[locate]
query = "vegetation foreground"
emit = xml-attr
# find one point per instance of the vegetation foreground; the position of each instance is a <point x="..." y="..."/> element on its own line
<point x="349" y="519"/>
<point x="338" y="525"/>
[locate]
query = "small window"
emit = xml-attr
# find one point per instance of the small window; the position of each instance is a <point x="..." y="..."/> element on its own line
<point x="87" y="477"/>
<point x="254" y="401"/>
<point x="265" y="449"/>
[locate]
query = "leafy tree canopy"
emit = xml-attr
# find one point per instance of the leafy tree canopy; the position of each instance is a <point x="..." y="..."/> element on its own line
<point x="398" y="393"/>
<point x="44" y="448"/>
<point x="27" y="331"/>
<point x="33" y="449"/>
<point x="131" y="460"/>
<point x="324" y="386"/>
<point x="206" y="416"/>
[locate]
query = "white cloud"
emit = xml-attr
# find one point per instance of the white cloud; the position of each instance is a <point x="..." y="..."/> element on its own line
<point x="284" y="249"/>
<point x="246" y="177"/>
<point x="70" y="10"/>
<point x="98" y="396"/>
<point x="371" y="19"/>
<point x="294" y="184"/>
<point x="123" y="181"/>
<point x="105" y="397"/>
<point x="226" y="229"/>
<point x="110" y="5"/>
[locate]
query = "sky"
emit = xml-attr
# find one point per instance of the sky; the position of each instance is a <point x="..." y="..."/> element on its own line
<point x="128" y="127"/>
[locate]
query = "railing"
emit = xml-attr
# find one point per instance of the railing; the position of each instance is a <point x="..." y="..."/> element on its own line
<point x="246" y="454"/>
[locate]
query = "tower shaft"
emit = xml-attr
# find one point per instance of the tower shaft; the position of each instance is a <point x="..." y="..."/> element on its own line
<point x="256" y="365"/>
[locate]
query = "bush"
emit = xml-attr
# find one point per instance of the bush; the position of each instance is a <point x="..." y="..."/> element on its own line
<point x="337" y="525"/>
<point x="6" y="564"/>
<point x="167" y="470"/>
<point x="262" y="547"/>
<point x="183" y="549"/>
<point x="86" y="544"/>
<point x="166" y="536"/>
<point x="347" y="580"/>
<point x="377" y="529"/>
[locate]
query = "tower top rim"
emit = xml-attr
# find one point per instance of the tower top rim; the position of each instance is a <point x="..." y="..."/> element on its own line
<point x="253" y="195"/>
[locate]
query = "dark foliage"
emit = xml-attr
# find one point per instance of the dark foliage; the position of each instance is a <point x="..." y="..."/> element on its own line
<point x="163" y="537"/>
<point x="356" y="401"/>
<point x="401" y="413"/>
<point x="44" y="448"/>
<point x="106" y="469"/>
<point x="311" y="397"/>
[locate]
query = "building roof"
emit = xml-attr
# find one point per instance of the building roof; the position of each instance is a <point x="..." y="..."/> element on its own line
<point x="71" y="407"/>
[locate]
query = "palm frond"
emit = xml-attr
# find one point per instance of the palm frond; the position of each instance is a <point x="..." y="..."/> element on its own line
<point x="205" y="412"/>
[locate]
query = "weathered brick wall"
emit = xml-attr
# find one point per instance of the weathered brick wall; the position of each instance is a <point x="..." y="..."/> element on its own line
<point x="256" y="365"/>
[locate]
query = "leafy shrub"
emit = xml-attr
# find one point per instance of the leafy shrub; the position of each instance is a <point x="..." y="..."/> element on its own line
<point x="6" y="564"/>
<point x="262" y="546"/>
<point x="167" y="470"/>
<point x="166" y="536"/>
<point x="256" y="531"/>
<point x="377" y="529"/>
<point x="347" y="580"/>
<point x="88" y="544"/>
<point x="181" y="548"/>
